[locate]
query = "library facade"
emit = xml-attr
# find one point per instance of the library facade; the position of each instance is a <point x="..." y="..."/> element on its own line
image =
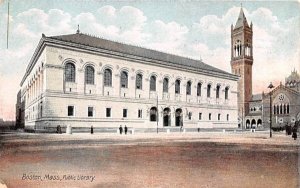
<point x="83" y="81"/>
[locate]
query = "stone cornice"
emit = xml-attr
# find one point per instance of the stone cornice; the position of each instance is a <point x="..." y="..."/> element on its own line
<point x="34" y="58"/>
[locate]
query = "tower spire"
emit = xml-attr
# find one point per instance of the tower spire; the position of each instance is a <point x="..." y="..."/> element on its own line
<point x="241" y="21"/>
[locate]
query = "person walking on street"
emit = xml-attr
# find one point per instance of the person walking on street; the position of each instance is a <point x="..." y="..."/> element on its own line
<point x="125" y="129"/>
<point x="120" y="129"/>
<point x="294" y="135"/>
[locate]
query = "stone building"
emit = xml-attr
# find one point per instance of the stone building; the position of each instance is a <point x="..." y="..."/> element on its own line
<point x="285" y="105"/>
<point x="83" y="81"/>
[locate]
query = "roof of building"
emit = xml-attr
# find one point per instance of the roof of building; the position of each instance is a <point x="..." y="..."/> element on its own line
<point x="84" y="39"/>
<point x="241" y="21"/>
<point x="292" y="78"/>
<point x="256" y="97"/>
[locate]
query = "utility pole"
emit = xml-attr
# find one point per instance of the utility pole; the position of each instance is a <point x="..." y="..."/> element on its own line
<point x="7" y="31"/>
<point x="270" y="87"/>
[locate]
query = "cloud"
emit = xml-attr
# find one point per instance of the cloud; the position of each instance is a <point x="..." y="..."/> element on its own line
<point x="168" y="37"/>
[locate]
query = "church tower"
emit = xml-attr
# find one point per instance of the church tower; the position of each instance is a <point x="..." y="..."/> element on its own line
<point x="242" y="61"/>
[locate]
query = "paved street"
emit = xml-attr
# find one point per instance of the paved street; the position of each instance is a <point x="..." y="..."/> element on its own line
<point x="149" y="160"/>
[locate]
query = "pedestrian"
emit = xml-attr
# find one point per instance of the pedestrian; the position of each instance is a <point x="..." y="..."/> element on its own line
<point x="125" y="129"/>
<point x="58" y="129"/>
<point x="290" y="129"/>
<point x="121" y="129"/>
<point x="294" y="135"/>
<point x="92" y="129"/>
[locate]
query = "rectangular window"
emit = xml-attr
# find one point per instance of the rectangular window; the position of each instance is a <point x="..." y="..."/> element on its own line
<point x="108" y="112"/>
<point x="124" y="113"/>
<point x="200" y="116"/>
<point x="70" y="110"/>
<point x="190" y="115"/>
<point x="219" y="117"/>
<point x="140" y="115"/>
<point x="209" y="116"/>
<point x="90" y="111"/>
<point x="227" y="117"/>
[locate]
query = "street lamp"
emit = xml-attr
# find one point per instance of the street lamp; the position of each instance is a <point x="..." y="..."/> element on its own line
<point x="270" y="87"/>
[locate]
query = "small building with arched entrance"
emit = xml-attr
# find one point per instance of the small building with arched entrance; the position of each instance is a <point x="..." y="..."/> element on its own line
<point x="285" y="106"/>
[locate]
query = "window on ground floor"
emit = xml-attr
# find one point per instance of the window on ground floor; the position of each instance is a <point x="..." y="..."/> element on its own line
<point x="190" y="115"/>
<point x="90" y="111"/>
<point x="140" y="113"/>
<point x="108" y="112"/>
<point x="124" y="113"/>
<point x="70" y="110"/>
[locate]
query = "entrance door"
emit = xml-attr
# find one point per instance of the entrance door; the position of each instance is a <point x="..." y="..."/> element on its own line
<point x="178" y="117"/>
<point x="167" y="117"/>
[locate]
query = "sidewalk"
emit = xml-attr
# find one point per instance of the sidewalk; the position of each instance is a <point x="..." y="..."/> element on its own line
<point x="257" y="138"/>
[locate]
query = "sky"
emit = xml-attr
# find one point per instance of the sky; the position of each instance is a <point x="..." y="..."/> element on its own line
<point x="195" y="29"/>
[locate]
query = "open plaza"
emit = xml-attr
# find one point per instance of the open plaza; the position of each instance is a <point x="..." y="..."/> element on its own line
<point x="191" y="159"/>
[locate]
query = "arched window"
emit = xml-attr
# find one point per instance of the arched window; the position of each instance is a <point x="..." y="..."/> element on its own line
<point x="153" y="114"/>
<point x="166" y="85"/>
<point x="153" y="83"/>
<point x="226" y="93"/>
<point x="277" y="109"/>
<point x="280" y="108"/>
<point x="124" y="79"/>
<point x="89" y="75"/>
<point x="70" y="72"/>
<point x="288" y="109"/>
<point x="107" y="77"/>
<point x="188" y="87"/>
<point x="208" y="90"/>
<point x="284" y="109"/>
<point x="177" y="87"/>
<point x="139" y="81"/>
<point x="218" y="92"/>
<point x="199" y="89"/>
<point x="274" y="109"/>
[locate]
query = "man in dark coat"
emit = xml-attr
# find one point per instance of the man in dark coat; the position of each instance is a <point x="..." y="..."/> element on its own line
<point x="120" y="129"/>
<point x="294" y="135"/>
<point x="125" y="129"/>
